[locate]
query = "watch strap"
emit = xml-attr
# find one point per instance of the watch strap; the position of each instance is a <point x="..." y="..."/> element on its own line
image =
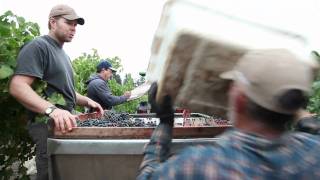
<point x="49" y="110"/>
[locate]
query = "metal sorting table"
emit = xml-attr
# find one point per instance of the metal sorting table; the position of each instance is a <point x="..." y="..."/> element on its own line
<point x="100" y="159"/>
<point x="104" y="155"/>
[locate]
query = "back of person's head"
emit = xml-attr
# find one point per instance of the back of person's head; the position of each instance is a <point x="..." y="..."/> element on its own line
<point x="105" y="64"/>
<point x="291" y="99"/>
<point x="277" y="83"/>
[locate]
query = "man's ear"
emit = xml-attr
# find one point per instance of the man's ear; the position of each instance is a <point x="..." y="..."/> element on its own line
<point x="52" y="22"/>
<point x="241" y="102"/>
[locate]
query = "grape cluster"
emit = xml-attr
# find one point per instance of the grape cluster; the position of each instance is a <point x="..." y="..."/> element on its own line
<point x="113" y="119"/>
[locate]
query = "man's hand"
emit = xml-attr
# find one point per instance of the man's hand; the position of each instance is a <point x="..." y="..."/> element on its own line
<point x="163" y="110"/>
<point x="63" y="120"/>
<point x="91" y="103"/>
<point x="127" y="94"/>
<point x="85" y="101"/>
<point x="309" y="124"/>
<point x="304" y="114"/>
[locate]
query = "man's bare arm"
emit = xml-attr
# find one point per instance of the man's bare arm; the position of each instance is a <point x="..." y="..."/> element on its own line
<point x="20" y="88"/>
<point x="85" y="101"/>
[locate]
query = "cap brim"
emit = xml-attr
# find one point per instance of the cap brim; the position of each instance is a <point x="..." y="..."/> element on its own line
<point x="229" y="75"/>
<point x="113" y="70"/>
<point x="80" y="20"/>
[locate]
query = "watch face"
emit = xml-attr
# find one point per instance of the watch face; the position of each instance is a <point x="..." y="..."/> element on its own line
<point x="49" y="110"/>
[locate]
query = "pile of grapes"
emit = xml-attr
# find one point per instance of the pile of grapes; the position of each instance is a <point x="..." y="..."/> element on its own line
<point x="113" y="119"/>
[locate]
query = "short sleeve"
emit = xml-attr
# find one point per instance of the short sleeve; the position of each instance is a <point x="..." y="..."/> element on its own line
<point x="30" y="60"/>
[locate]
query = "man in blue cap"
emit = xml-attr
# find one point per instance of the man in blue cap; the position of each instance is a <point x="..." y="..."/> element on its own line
<point x="98" y="89"/>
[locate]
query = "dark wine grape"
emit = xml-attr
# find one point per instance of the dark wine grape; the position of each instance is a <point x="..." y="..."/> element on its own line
<point x="113" y="119"/>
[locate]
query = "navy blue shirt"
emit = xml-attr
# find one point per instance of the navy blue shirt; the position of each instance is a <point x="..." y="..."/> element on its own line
<point x="99" y="91"/>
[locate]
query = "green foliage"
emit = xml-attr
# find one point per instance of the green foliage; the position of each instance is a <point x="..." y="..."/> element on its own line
<point x="83" y="67"/>
<point x="314" y="100"/>
<point x="118" y="90"/>
<point x="5" y="71"/>
<point x="142" y="78"/>
<point x="15" y="144"/>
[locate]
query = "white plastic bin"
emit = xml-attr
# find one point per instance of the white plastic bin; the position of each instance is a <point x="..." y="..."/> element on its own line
<point x="194" y="43"/>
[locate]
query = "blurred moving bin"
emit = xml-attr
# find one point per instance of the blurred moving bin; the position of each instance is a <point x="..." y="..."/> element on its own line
<point x="194" y="43"/>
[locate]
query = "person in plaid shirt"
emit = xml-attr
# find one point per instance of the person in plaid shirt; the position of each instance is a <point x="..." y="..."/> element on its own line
<point x="269" y="87"/>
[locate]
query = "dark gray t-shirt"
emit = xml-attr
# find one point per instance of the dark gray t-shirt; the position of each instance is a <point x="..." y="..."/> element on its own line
<point x="45" y="59"/>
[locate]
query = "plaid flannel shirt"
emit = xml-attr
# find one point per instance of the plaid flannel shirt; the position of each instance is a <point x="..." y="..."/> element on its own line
<point x="236" y="155"/>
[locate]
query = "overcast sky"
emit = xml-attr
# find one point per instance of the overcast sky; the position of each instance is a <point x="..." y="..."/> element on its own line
<point x="125" y="28"/>
<point x="122" y="28"/>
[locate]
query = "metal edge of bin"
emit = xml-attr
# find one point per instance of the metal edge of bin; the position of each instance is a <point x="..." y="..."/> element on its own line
<point x="137" y="132"/>
<point x="112" y="146"/>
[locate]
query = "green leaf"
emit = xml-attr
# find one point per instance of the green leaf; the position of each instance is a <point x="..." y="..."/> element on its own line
<point x="316" y="85"/>
<point x="12" y="131"/>
<point x="41" y="118"/>
<point x="4" y="30"/>
<point x="57" y="98"/>
<point x="5" y="71"/>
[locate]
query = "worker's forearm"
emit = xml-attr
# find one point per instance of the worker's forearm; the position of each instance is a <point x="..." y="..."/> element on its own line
<point x="85" y="101"/>
<point x="28" y="97"/>
<point x="82" y="100"/>
<point x="156" y="151"/>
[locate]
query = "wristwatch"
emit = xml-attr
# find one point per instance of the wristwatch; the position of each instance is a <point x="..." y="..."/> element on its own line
<point x="49" y="110"/>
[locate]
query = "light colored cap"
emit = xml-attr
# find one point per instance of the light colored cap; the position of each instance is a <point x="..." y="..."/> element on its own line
<point x="267" y="74"/>
<point x="66" y="12"/>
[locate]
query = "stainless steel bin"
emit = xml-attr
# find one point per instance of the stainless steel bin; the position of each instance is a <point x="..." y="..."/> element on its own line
<point x="101" y="159"/>
<point x="99" y="153"/>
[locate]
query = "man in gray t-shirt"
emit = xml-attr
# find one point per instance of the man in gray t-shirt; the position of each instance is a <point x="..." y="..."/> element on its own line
<point x="44" y="61"/>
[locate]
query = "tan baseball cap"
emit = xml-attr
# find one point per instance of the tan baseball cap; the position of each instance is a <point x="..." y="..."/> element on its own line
<point x="266" y="74"/>
<point x="66" y="12"/>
